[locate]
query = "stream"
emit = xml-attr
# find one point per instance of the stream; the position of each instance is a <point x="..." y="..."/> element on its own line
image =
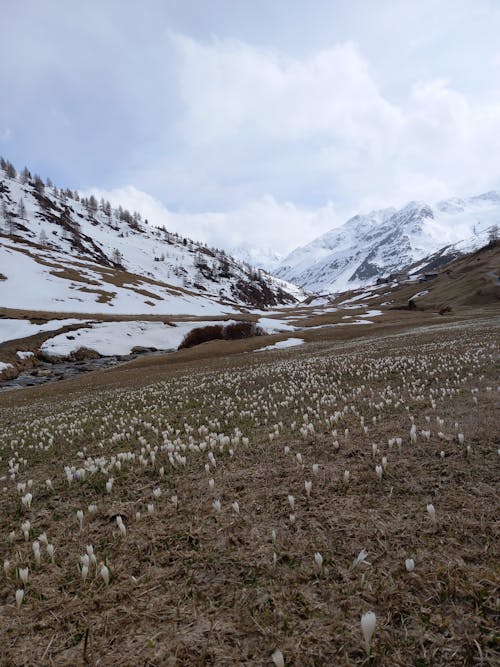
<point x="53" y="372"/>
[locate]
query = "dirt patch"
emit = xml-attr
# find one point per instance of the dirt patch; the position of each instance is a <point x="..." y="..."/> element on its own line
<point x="234" y="331"/>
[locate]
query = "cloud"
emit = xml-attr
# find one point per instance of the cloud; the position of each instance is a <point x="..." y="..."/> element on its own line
<point x="275" y="130"/>
<point x="276" y="150"/>
<point x="262" y="223"/>
<point x="320" y="129"/>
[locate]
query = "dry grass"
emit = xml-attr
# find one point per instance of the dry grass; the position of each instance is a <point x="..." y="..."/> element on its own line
<point x="207" y="591"/>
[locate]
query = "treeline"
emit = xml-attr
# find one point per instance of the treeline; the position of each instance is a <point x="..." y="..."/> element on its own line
<point x="91" y="204"/>
<point x="210" y="263"/>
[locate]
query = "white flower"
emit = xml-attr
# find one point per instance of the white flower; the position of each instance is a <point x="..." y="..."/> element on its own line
<point x="211" y="484"/>
<point x="121" y="526"/>
<point x="277" y="658"/>
<point x="105" y="574"/>
<point x="50" y="552"/>
<point x="79" y="516"/>
<point x="368" y="622"/>
<point x="157" y="492"/>
<point x="19" y="597"/>
<point x="318" y="560"/>
<point x="151" y="508"/>
<point x="308" y="486"/>
<point x="409" y="564"/>
<point x="315" y="468"/>
<point x="85" y="572"/>
<point x="379" y="471"/>
<point x="291" y="502"/>
<point x="235" y="507"/>
<point x="361" y="558"/>
<point x="347" y="474"/>
<point x="23" y="574"/>
<point x="216" y="505"/>
<point x="25" y="528"/>
<point x="431" y="512"/>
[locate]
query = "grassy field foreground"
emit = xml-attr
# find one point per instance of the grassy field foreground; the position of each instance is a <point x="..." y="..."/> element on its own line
<point x="251" y="513"/>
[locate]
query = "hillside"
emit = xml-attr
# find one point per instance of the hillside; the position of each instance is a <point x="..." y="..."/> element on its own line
<point x="60" y="252"/>
<point x="374" y="245"/>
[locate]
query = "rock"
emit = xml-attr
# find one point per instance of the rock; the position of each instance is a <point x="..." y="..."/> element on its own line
<point x="44" y="355"/>
<point x="9" y="373"/>
<point x="84" y="353"/>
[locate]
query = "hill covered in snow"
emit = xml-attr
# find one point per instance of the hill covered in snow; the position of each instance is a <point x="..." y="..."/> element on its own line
<point x="62" y="252"/>
<point x="387" y="241"/>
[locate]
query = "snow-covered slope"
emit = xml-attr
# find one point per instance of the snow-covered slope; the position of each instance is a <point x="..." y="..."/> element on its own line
<point x="59" y="252"/>
<point x="382" y="242"/>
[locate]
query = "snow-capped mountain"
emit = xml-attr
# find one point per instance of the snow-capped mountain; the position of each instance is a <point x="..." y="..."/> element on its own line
<point x="61" y="252"/>
<point x="382" y="242"/>
<point x="262" y="258"/>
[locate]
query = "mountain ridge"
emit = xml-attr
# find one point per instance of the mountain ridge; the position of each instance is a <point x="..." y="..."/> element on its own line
<point x="62" y="251"/>
<point x="370" y="246"/>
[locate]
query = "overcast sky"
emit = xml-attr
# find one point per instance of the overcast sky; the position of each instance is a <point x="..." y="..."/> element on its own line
<point x="257" y="121"/>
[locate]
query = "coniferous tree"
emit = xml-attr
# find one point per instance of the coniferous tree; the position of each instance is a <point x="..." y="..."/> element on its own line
<point x="10" y="170"/>
<point x="25" y="175"/>
<point x="21" y="210"/>
<point x="38" y="184"/>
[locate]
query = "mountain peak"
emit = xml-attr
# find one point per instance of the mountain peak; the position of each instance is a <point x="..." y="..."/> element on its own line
<point x="375" y="244"/>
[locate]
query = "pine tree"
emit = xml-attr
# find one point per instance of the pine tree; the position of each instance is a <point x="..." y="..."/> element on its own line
<point x="38" y="184"/>
<point x="116" y="256"/>
<point x="21" y="210"/>
<point x="25" y="175"/>
<point x="10" y="170"/>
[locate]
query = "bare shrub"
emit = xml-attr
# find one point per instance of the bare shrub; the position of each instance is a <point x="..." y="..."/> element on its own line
<point x="232" y="331"/>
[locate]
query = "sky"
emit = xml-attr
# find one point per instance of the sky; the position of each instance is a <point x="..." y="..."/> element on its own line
<point x="252" y="122"/>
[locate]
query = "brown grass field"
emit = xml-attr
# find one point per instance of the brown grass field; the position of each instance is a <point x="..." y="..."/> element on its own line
<point x="192" y="584"/>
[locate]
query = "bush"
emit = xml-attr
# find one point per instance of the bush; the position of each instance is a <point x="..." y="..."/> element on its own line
<point x="233" y="331"/>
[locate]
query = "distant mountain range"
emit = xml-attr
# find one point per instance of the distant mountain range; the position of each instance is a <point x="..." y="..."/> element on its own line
<point x="62" y="252"/>
<point x="376" y="244"/>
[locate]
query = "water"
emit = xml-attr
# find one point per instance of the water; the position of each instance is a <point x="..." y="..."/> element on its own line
<point x="45" y="372"/>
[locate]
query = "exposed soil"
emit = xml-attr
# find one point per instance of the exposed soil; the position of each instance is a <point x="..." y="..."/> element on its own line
<point x="212" y="587"/>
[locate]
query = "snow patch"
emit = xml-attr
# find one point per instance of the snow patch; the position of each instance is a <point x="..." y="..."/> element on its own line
<point x="11" y="329"/>
<point x="282" y="344"/>
<point x="24" y="355"/>
<point x="119" y="338"/>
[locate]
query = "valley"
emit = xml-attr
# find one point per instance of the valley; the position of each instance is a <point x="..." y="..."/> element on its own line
<point x="213" y="466"/>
